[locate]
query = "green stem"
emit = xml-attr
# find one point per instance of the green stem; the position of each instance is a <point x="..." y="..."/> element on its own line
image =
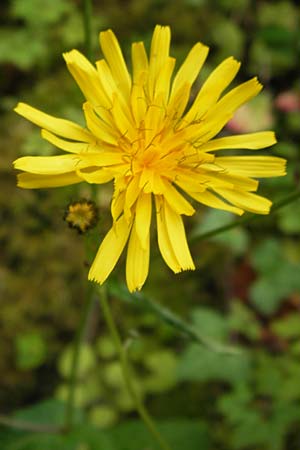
<point x="139" y="300"/>
<point x="127" y="371"/>
<point x="247" y="219"/>
<point x="87" y="23"/>
<point x="70" y="407"/>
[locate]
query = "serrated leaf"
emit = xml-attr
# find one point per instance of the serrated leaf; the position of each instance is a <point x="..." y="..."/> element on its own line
<point x="199" y="364"/>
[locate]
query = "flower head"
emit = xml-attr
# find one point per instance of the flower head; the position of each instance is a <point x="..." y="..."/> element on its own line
<point x="81" y="215"/>
<point x="141" y="134"/>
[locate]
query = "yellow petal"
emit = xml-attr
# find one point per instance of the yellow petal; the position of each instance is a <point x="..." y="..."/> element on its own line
<point x="124" y="122"/>
<point x="114" y="57"/>
<point x="164" y="243"/>
<point x="218" y="115"/>
<point x="143" y="218"/>
<point x="138" y="103"/>
<point x="104" y="158"/>
<point x="139" y="60"/>
<point x="190" y="68"/>
<point x="176" y="201"/>
<point x="68" y="146"/>
<point x="177" y="105"/>
<point x="212" y="88"/>
<point x="117" y="204"/>
<point x="231" y="181"/>
<point x="253" y="166"/>
<point x="132" y="192"/>
<point x="209" y="199"/>
<point x="101" y="129"/>
<point x="159" y="54"/>
<point x="176" y="232"/>
<point x="110" y="86"/>
<point x="153" y="123"/>
<point x="235" y="98"/>
<point x="162" y="85"/>
<point x="137" y="261"/>
<point x="99" y="176"/>
<point x="110" y="251"/>
<point x="48" y="165"/>
<point x="252" y="141"/>
<point x="246" y="200"/>
<point x="87" y="78"/>
<point x="34" y="181"/>
<point x="62" y="127"/>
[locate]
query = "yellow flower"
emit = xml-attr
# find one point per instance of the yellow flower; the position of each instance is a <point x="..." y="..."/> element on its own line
<point x="141" y="134"/>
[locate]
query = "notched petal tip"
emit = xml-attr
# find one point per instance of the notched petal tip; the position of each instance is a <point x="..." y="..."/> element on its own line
<point x="92" y="277"/>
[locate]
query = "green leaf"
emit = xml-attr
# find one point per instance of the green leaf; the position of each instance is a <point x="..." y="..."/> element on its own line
<point x="229" y="37"/>
<point x="180" y="434"/>
<point x="236" y="239"/>
<point x="40" y="12"/>
<point x="21" y="47"/>
<point x="210" y="323"/>
<point x="83" y="437"/>
<point x="47" y="412"/>
<point x="269" y="292"/>
<point x="31" y="350"/>
<point x="267" y="256"/>
<point x="200" y="364"/>
<point x="106" y="347"/>
<point x="87" y="361"/>
<point x="162" y="365"/>
<point x="242" y="320"/>
<point x="288" y="218"/>
<point x="52" y="412"/>
<point x="103" y="416"/>
<point x="287" y="327"/>
<point x="279" y="277"/>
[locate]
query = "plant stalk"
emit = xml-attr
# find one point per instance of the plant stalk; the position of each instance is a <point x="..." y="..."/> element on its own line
<point x="126" y="371"/>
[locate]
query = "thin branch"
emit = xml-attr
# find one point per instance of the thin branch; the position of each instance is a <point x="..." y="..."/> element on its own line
<point x="139" y="300"/>
<point x="247" y="219"/>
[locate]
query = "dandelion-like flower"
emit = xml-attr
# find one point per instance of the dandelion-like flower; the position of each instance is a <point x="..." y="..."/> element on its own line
<point x="140" y="134"/>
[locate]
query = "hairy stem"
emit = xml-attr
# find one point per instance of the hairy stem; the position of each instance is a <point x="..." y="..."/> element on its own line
<point x="128" y="379"/>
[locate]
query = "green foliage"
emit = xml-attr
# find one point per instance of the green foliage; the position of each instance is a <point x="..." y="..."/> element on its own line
<point x="201" y="364"/>
<point x="31" y="351"/>
<point x="40" y="12"/>
<point x="86" y="361"/>
<point x="245" y="294"/>
<point x="236" y="240"/>
<point x="278" y="277"/>
<point x="179" y="433"/>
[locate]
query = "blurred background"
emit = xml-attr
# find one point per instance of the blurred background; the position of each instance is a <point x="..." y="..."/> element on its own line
<point x="245" y="291"/>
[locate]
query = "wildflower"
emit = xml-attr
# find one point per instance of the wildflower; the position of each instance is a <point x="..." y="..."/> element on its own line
<point x="140" y="134"/>
<point x="81" y="215"/>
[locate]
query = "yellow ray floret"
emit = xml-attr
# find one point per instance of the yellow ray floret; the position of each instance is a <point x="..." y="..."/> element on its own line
<point x="140" y="134"/>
